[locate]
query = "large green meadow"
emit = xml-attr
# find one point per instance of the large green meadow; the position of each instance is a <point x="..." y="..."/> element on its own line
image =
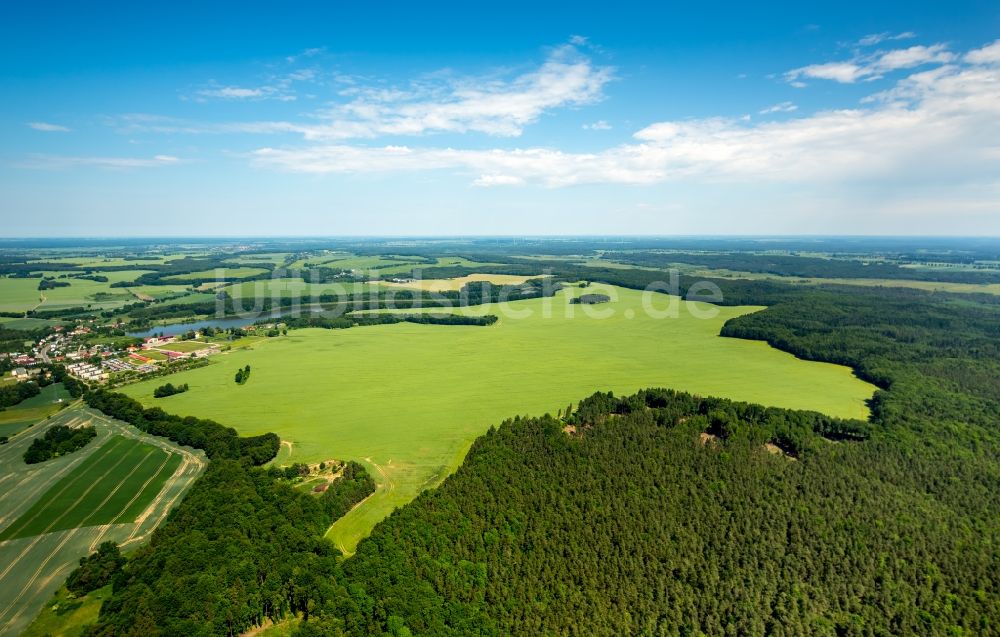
<point x="409" y="399"/>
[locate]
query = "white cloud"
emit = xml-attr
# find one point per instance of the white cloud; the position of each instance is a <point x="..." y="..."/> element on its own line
<point x="233" y="92"/>
<point x="936" y="126"/>
<point x="872" y="66"/>
<point x="280" y="93"/>
<point x="877" y="38"/>
<point x="783" y="107"/>
<point x="48" y="128"/>
<point x="989" y="54"/>
<point x="486" y="105"/>
<point x="63" y="161"/>
<point x="598" y="125"/>
<point x="307" y="53"/>
<point x="843" y="72"/>
<point x="437" y="103"/>
<point x="487" y="181"/>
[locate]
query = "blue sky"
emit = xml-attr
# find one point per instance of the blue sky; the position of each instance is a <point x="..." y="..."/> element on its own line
<point x="510" y="118"/>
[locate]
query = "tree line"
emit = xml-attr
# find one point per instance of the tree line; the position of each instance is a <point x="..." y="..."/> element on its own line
<point x="216" y="440"/>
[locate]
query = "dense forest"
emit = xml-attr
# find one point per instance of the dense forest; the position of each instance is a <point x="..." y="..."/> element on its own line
<point x="800" y="266"/>
<point x="243" y="546"/>
<point x="58" y="440"/>
<point x="636" y="526"/>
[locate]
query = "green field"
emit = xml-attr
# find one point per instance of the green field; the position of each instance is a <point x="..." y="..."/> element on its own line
<point x="66" y="615"/>
<point x="293" y="287"/>
<point x="18" y="295"/>
<point x="112" y="486"/>
<point x="185" y="347"/>
<point x="222" y="274"/>
<point x="28" y="323"/>
<point x="409" y="399"/>
<point x="27" y="412"/>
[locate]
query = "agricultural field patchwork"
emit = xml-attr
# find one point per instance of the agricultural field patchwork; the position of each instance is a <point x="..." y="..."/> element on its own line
<point x="111" y="486"/>
<point x="119" y="488"/>
<point x="408" y="399"/>
<point x="19" y="295"/>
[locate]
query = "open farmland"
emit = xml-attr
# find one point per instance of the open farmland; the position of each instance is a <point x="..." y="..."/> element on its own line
<point x="221" y="274"/>
<point x="119" y="487"/>
<point x="408" y="399"/>
<point x="18" y="295"/>
<point x="112" y="485"/>
<point x="296" y="287"/>
<point x="455" y="284"/>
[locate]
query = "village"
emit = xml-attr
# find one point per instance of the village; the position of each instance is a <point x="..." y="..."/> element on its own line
<point x="94" y="359"/>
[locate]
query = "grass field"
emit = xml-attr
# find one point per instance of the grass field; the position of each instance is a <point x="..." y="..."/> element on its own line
<point x="409" y="399"/>
<point x="443" y="285"/>
<point x="185" y="347"/>
<point x="234" y="273"/>
<point x="66" y="615"/>
<point x="27" y="412"/>
<point x="295" y="288"/>
<point x="112" y="486"/>
<point x="28" y="323"/>
<point x="18" y="295"/>
<point x="118" y="487"/>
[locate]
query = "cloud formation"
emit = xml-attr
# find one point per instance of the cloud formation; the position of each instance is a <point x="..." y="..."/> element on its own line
<point x="873" y="66"/>
<point x="438" y="103"/>
<point x="63" y="161"/>
<point x="46" y="127"/>
<point x="783" y="107"/>
<point x="940" y="124"/>
<point x="886" y="36"/>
